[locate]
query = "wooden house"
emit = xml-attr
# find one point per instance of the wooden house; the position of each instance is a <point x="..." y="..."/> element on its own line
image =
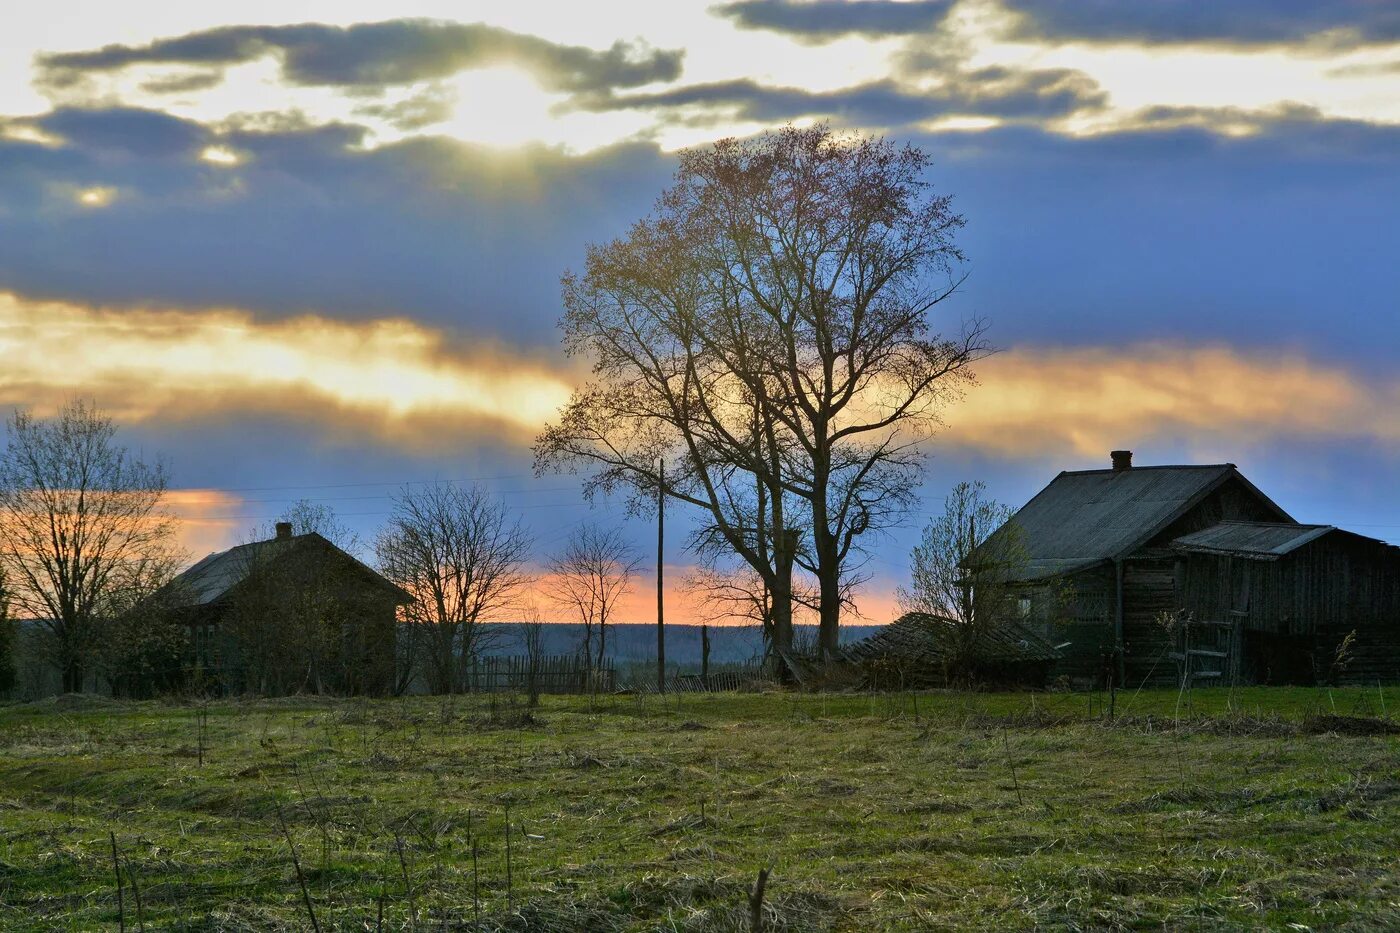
<point x="291" y="613"/>
<point x="1247" y="593"/>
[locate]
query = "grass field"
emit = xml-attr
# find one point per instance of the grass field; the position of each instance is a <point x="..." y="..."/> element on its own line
<point x="1246" y="809"/>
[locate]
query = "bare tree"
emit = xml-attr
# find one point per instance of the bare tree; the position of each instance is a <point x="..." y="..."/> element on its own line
<point x="459" y="553"/>
<point x="589" y="578"/>
<point x="307" y="517"/>
<point x="82" y="524"/>
<point x="9" y="640"/>
<point x="532" y="641"/>
<point x="772" y="317"/>
<point x="963" y="570"/>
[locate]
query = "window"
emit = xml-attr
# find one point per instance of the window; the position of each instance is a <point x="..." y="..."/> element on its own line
<point x="1023" y="606"/>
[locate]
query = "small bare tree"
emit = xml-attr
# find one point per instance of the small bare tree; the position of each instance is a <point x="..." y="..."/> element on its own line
<point x="9" y="640"/>
<point x="461" y="555"/>
<point x="81" y="523"/>
<point x="963" y="570"/>
<point x="590" y="577"/>
<point x="307" y="517"/>
<point x="532" y="641"/>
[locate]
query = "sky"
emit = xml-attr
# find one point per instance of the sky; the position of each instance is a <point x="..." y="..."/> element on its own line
<point x="312" y="249"/>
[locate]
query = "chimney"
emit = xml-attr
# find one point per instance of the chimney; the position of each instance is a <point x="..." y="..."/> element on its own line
<point x="1122" y="460"/>
<point x="284" y="530"/>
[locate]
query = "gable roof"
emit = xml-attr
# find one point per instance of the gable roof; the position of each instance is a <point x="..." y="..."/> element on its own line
<point x="1087" y="517"/>
<point x="212" y="578"/>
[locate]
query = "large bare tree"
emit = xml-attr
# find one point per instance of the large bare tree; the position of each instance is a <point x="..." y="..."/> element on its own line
<point x="82" y="527"/>
<point x="461" y="555"/>
<point x="772" y="317"/>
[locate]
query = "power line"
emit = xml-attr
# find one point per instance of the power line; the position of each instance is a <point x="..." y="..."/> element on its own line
<point x="414" y="482"/>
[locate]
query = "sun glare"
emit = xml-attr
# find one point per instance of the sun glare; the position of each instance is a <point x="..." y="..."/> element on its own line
<point x="96" y="196"/>
<point x="220" y="155"/>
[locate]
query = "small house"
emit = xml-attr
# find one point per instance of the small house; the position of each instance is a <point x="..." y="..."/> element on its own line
<point x="1142" y="574"/>
<point x="291" y="613"/>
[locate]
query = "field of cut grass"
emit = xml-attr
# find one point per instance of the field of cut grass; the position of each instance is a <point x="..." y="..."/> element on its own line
<point x="1245" y="809"/>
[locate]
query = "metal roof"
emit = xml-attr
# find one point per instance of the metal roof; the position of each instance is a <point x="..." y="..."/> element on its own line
<point x="920" y="638"/>
<point x="1255" y="540"/>
<point x="1086" y="517"/>
<point x="211" y="578"/>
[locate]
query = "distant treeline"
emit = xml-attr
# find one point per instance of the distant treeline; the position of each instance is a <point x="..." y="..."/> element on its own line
<point x="636" y="641"/>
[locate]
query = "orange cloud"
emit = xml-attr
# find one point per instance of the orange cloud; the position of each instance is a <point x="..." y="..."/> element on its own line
<point x="204" y="521"/>
<point x="1036" y="401"/>
<point x="399" y="379"/>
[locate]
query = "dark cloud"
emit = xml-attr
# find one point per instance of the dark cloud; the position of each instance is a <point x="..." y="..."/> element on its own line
<point x="1173" y="227"/>
<point x="124" y="130"/>
<point x="1237" y="22"/>
<point x="449" y="233"/>
<point x="827" y="20"/>
<point x="991" y="92"/>
<point x="369" y="56"/>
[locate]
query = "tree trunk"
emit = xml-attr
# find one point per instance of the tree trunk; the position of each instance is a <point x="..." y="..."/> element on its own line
<point x="829" y="632"/>
<point x="73" y="677"/>
<point x="780" y="590"/>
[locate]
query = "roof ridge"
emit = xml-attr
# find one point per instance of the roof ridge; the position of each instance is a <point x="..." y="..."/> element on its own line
<point x="1155" y="466"/>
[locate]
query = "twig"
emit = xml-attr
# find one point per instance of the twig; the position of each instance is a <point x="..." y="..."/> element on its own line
<point x="117" y="870"/>
<point x="476" y="889"/>
<point x="1010" y="763"/>
<point x="136" y="893"/>
<point x="301" y="878"/>
<point x="756" y="901"/>
<point x="408" y="887"/>
<point x="510" y="893"/>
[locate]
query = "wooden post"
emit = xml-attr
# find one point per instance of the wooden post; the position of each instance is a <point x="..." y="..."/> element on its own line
<point x="660" y="597"/>
<point x="705" y="656"/>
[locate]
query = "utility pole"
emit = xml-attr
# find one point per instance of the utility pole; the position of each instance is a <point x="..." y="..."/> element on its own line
<point x="660" y="599"/>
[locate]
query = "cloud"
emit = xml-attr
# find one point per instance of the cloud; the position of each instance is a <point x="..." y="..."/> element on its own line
<point x="1238" y="22"/>
<point x="306" y="217"/>
<point x="367" y="57"/>
<point x="391" y="379"/>
<point x="820" y="21"/>
<point x="1034" y="402"/>
<point x="989" y="92"/>
<point x="207" y="520"/>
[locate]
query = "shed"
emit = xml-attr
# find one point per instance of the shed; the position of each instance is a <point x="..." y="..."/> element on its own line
<point x="918" y="649"/>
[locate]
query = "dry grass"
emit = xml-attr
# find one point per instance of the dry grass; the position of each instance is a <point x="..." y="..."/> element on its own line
<point x="1265" y="808"/>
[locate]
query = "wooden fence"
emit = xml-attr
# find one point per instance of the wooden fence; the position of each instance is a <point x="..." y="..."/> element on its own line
<point x="554" y="674"/>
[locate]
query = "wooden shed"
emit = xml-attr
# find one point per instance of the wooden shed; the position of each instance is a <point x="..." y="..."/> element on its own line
<point x="1110" y="553"/>
<point x="918" y="650"/>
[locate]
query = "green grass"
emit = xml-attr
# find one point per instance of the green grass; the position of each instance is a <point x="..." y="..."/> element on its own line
<point x="1238" y="809"/>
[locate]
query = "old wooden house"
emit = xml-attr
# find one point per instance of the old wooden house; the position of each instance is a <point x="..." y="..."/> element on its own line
<point x="290" y="613"/>
<point x="1143" y="574"/>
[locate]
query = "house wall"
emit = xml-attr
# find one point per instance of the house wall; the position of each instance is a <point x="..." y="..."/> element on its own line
<point x="1296" y="610"/>
<point x="1149" y="592"/>
<point x="1076" y="613"/>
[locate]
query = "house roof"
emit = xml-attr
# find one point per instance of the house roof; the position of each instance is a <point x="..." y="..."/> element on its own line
<point x="1084" y="518"/>
<point x="210" y="579"/>
<point x="1254" y="540"/>
<point x="924" y="639"/>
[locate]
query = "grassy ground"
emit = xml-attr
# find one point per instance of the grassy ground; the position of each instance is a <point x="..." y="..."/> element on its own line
<point x="1249" y="809"/>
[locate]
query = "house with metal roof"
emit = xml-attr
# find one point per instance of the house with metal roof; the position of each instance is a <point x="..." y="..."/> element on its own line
<point x="1146" y="574"/>
<point x="288" y="614"/>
